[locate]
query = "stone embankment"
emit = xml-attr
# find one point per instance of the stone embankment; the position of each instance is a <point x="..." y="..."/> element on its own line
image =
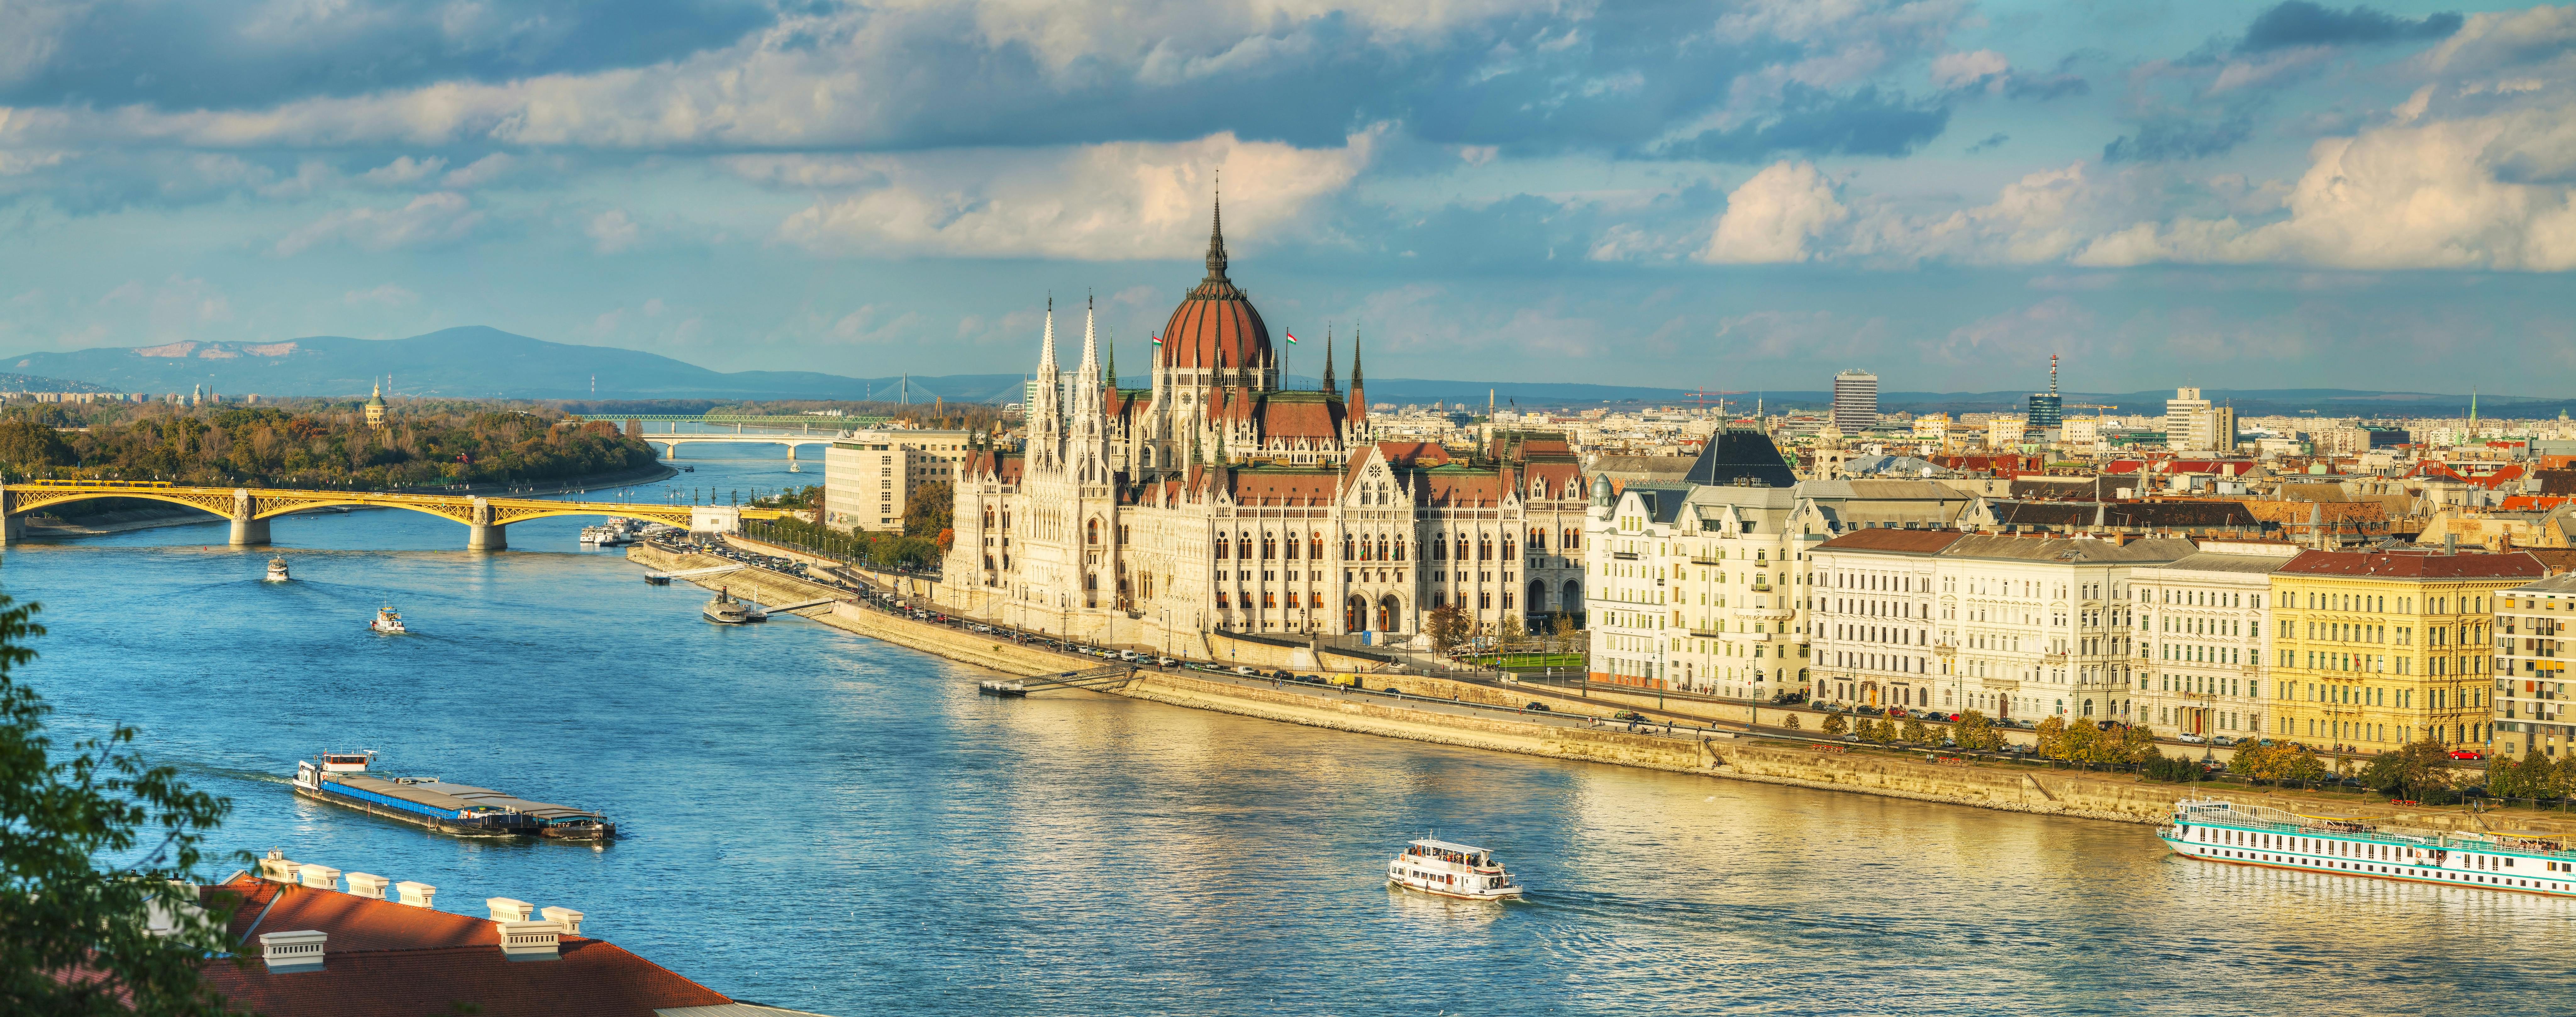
<point x="1829" y="766"/>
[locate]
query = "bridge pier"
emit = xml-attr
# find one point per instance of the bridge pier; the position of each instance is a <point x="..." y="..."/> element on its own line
<point x="249" y="532"/>
<point x="791" y="451"/>
<point x="487" y="537"/>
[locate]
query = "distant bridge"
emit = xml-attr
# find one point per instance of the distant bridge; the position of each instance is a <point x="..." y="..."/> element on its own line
<point x="797" y="421"/>
<point x="675" y="440"/>
<point x="251" y="508"/>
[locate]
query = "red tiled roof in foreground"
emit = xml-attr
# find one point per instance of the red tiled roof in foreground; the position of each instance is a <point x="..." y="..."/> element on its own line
<point x="2415" y="565"/>
<point x="386" y="958"/>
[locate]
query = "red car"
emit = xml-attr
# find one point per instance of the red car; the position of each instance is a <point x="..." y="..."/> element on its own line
<point x="2467" y="754"/>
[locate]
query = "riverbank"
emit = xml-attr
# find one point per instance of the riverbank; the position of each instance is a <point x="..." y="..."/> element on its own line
<point x="177" y="515"/>
<point x="1475" y="715"/>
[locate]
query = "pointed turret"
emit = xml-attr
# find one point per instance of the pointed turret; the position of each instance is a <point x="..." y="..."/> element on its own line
<point x="1216" y="239"/>
<point x="1090" y="367"/>
<point x="1046" y="347"/>
<point x="1358" y="398"/>
<point x="1328" y="360"/>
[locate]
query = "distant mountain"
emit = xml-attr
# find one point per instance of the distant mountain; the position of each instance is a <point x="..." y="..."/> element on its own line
<point x="32" y="383"/>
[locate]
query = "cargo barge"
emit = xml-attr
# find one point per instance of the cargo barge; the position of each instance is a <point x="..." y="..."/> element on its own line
<point x="341" y="778"/>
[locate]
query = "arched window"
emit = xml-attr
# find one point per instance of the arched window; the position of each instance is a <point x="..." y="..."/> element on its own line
<point x="1573" y="539"/>
<point x="1484" y="547"/>
<point x="1439" y="548"/>
<point x="1243" y="545"/>
<point x="1091" y="532"/>
<point x="1291" y="547"/>
<point x="1090" y="581"/>
<point x="1222" y="546"/>
<point x="1315" y="546"/>
<point x="1462" y="547"/>
<point x="1346" y="548"/>
<point x="1439" y="599"/>
<point x="1269" y="546"/>
<point x="1399" y="549"/>
<point x="1381" y="549"/>
<point x="1573" y="599"/>
<point x="988" y="517"/>
<point x="1537" y="596"/>
<point x="1507" y="547"/>
<point x="1538" y="541"/>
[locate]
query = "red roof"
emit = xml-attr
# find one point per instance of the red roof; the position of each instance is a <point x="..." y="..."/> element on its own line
<point x="2415" y="565"/>
<point x="1413" y="453"/>
<point x="392" y="959"/>
<point x="1893" y="540"/>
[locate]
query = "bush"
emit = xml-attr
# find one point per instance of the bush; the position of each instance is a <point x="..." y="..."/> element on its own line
<point x="1835" y="724"/>
<point x="2170" y="768"/>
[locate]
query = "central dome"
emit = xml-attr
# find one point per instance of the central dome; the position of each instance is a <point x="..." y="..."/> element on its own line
<point x="1216" y="325"/>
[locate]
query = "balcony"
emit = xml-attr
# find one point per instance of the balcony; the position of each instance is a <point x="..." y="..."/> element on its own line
<point x="1624" y="555"/>
<point x="1761" y="587"/>
<point x="2058" y="657"/>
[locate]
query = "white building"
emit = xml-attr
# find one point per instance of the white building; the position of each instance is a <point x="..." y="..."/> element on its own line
<point x="2192" y="424"/>
<point x="2204" y="639"/>
<point x="869" y="477"/>
<point x="1855" y="401"/>
<point x="2017" y="627"/>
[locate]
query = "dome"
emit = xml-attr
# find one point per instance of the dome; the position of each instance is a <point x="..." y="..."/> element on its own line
<point x="1216" y="326"/>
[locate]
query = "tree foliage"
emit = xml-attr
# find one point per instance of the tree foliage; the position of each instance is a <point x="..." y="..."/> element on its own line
<point x="2530" y="777"/>
<point x="2418" y="771"/>
<point x="2083" y="741"/>
<point x="324" y="446"/>
<point x="27" y="443"/>
<point x="1976" y="731"/>
<point x="2281" y="761"/>
<point x="1835" y="724"/>
<point x="932" y="507"/>
<point x="1448" y="627"/>
<point x="74" y="936"/>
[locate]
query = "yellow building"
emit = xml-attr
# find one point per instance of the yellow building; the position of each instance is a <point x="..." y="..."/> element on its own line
<point x="2374" y="649"/>
<point x="376" y="407"/>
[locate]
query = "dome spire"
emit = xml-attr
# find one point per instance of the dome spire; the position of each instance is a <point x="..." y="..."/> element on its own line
<point x="1328" y="359"/>
<point x="1216" y="234"/>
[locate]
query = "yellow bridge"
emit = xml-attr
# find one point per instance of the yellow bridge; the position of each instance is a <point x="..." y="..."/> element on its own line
<point x="250" y="508"/>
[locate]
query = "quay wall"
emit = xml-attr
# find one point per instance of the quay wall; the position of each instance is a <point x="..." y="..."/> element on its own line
<point x="1833" y="767"/>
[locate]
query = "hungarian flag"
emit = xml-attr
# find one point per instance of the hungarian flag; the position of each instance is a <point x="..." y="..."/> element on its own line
<point x="1158" y="340"/>
<point x="1292" y="338"/>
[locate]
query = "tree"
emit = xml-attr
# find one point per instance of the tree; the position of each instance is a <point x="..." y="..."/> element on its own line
<point x="2158" y="766"/>
<point x="930" y="508"/>
<point x="26" y="444"/>
<point x="2420" y="770"/>
<point x="1448" y="627"/>
<point x="1880" y="731"/>
<point x="1793" y="722"/>
<point x="1835" y="724"/>
<point x="66" y="815"/>
<point x="1514" y="631"/>
<point x="1913" y="733"/>
<point x="2286" y="761"/>
<point x="2052" y="737"/>
<point x="1977" y="732"/>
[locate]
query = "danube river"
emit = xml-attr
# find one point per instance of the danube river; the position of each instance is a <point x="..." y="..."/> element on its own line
<point x="819" y="821"/>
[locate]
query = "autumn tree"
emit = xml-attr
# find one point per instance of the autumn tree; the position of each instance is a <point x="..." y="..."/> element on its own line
<point x="1448" y="627"/>
<point x="1976" y="731"/>
<point x="2422" y="769"/>
<point x="1835" y="724"/>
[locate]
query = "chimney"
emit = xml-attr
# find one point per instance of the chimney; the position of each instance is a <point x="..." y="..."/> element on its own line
<point x="367" y="885"/>
<point x="290" y="952"/>
<point x="570" y="919"/>
<point x="276" y="868"/>
<point x="417" y="895"/>
<point x="505" y="909"/>
<point x="2450" y="543"/>
<point x="319" y="876"/>
<point x="529" y="941"/>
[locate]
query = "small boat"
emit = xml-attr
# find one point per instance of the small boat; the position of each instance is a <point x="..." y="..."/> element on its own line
<point x="1005" y="690"/>
<point x="387" y="623"/>
<point x="276" y="571"/>
<point x="688" y="469"/>
<point x="1444" y="869"/>
<point x="724" y="609"/>
<point x="341" y="778"/>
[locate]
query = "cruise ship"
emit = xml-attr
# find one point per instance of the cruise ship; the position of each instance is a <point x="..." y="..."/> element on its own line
<point x="2219" y="831"/>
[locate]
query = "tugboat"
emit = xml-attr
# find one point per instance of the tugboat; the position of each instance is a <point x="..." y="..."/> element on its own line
<point x="1444" y="869"/>
<point x="276" y="571"/>
<point x="387" y="623"/>
<point x="724" y="609"/>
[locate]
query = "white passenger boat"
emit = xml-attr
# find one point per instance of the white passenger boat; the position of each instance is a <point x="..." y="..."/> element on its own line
<point x="2221" y="831"/>
<point x="387" y="623"/>
<point x="276" y="571"/>
<point x="1444" y="869"/>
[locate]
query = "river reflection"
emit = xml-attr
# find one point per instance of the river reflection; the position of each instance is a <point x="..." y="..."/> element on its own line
<point x="819" y="821"/>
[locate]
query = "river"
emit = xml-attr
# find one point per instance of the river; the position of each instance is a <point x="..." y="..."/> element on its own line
<point x="820" y="821"/>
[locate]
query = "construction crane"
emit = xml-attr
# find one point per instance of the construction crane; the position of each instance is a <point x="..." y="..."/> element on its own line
<point x="1701" y="397"/>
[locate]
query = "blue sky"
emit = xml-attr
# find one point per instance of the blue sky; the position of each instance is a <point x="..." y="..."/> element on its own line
<point x="1743" y="195"/>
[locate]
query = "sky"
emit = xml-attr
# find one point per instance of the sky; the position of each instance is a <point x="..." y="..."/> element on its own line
<point x="1736" y="196"/>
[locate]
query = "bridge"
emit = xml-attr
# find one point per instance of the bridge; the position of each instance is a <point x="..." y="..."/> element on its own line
<point x="251" y="508"/>
<point x="674" y="440"/>
<point x="796" y="421"/>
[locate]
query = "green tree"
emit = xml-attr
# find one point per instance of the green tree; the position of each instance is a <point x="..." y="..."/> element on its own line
<point x="2418" y="770"/>
<point x="1835" y="724"/>
<point x="29" y="445"/>
<point x="1448" y="627"/>
<point x="1913" y="733"/>
<point x="2158" y="766"/>
<point x="66" y="819"/>
<point x="1976" y="731"/>
<point x="1792" y="723"/>
<point x="932" y="508"/>
<point x="2280" y="762"/>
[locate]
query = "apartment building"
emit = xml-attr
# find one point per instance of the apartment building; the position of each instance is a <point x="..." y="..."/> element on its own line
<point x="2016" y="627"/>
<point x="2532" y="624"/>
<point x="869" y="477"/>
<point x="2375" y="649"/>
<point x="2203" y="640"/>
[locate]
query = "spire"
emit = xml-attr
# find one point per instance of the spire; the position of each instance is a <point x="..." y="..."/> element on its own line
<point x="1090" y="340"/>
<point x="1359" y="399"/>
<point x="1113" y="361"/>
<point x="1046" y="351"/>
<point x="1328" y="360"/>
<point x="1216" y="236"/>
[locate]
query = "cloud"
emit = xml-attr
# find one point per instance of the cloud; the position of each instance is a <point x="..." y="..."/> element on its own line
<point x="2302" y="23"/>
<point x="1817" y="123"/>
<point x="1989" y="143"/>
<point x="404" y="170"/>
<point x="387" y="295"/>
<point x="1095" y="202"/>
<point x="429" y="219"/>
<point x="481" y="171"/>
<point x="1774" y="216"/>
<point x="2508" y="39"/>
<point x="1955" y="71"/>
<point x="611" y="231"/>
<point x="2178" y="137"/>
<point x="2425" y="195"/>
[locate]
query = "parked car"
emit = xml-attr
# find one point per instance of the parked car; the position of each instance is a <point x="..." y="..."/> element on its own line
<point x="2223" y="741"/>
<point x="2191" y="739"/>
<point x="1246" y="670"/>
<point x="1537" y="707"/>
<point x="2467" y="754"/>
<point x="1128" y="655"/>
<point x="1164" y="662"/>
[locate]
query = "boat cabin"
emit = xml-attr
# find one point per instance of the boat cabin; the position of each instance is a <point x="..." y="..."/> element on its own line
<point x="346" y="762"/>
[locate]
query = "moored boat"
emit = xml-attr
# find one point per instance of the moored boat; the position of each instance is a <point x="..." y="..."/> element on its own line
<point x="2214" y="830"/>
<point x="1006" y="690"/>
<point x="387" y="623"/>
<point x="725" y="609"/>
<point x="1445" y="869"/>
<point x="276" y="571"/>
<point x="341" y="778"/>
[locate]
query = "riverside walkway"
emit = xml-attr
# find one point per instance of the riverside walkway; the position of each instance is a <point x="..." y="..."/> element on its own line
<point x="250" y="508"/>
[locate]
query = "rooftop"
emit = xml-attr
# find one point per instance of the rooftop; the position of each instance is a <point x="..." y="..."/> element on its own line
<point x="2415" y="565"/>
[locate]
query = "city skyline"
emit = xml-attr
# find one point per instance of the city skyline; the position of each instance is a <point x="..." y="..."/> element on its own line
<point x="1745" y="197"/>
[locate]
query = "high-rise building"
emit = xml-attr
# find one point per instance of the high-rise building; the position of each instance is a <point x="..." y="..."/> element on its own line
<point x="1855" y="401"/>
<point x="2192" y="424"/>
<point x="2048" y="409"/>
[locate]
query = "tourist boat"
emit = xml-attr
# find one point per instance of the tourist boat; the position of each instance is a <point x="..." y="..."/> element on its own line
<point x="616" y="532"/>
<point x="2220" y="831"/>
<point x="1005" y="690"/>
<point x="387" y="623"/>
<point x="341" y="778"/>
<point x="724" y="609"/>
<point x="276" y="571"/>
<point x="1444" y="869"/>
